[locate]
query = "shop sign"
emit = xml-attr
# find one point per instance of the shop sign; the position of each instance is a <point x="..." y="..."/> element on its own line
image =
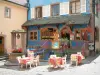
<point x="55" y="45"/>
<point x="91" y="46"/>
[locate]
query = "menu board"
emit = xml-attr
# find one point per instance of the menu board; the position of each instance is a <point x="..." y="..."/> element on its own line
<point x="55" y="45"/>
<point x="91" y="46"/>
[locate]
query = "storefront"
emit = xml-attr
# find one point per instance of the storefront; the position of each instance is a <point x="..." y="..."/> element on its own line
<point x="51" y="33"/>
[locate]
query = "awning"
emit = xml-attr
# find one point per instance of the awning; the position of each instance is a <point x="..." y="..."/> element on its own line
<point x="70" y="19"/>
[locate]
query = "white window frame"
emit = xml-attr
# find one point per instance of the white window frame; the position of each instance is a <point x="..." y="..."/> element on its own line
<point x="7" y="12"/>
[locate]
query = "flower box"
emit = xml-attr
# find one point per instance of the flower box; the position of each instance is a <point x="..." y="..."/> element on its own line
<point x="12" y="56"/>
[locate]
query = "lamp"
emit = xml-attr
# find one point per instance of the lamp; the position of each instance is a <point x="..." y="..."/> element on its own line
<point x="18" y="36"/>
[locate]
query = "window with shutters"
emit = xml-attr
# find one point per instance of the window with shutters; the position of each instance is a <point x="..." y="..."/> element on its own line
<point x="38" y="12"/>
<point x="55" y="10"/>
<point x="75" y="6"/>
<point x="33" y="35"/>
<point x="7" y="12"/>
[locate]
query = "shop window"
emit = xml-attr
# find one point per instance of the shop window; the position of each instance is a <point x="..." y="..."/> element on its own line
<point x="49" y="34"/>
<point x="75" y="6"/>
<point x="55" y="10"/>
<point x="33" y="35"/>
<point x="97" y="34"/>
<point x="38" y="12"/>
<point x="7" y="12"/>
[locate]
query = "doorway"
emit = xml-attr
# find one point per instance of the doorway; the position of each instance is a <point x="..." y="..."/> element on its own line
<point x="1" y="45"/>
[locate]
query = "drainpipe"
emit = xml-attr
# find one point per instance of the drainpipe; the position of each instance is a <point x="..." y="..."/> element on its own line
<point x="28" y="6"/>
<point x="93" y="14"/>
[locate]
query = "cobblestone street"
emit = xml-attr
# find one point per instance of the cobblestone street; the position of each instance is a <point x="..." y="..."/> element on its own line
<point x="90" y="66"/>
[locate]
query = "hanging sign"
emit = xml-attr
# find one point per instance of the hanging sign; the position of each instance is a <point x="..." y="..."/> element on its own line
<point x="55" y="45"/>
<point x="91" y="46"/>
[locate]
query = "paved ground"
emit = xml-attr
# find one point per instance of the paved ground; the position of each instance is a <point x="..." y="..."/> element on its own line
<point x="90" y="66"/>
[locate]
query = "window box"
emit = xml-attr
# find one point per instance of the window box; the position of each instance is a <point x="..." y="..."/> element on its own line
<point x="12" y="56"/>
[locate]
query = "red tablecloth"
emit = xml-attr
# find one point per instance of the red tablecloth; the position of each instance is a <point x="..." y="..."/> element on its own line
<point x="55" y="61"/>
<point x="25" y="60"/>
<point x="79" y="57"/>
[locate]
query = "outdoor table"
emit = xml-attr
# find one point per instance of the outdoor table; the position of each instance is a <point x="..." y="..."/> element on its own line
<point x="25" y="60"/>
<point x="55" y="61"/>
<point x="79" y="57"/>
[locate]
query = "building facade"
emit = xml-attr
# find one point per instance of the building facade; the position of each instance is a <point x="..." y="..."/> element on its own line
<point x="12" y="16"/>
<point x="55" y="23"/>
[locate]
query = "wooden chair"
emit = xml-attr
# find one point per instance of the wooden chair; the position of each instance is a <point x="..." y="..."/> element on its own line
<point x="74" y="59"/>
<point x="19" y="61"/>
<point x="36" y="60"/>
<point x="23" y="56"/>
<point x="30" y="63"/>
<point x="64" y="60"/>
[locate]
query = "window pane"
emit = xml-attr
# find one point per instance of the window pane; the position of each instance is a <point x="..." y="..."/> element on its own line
<point x="31" y="33"/>
<point x="55" y="10"/>
<point x="35" y="35"/>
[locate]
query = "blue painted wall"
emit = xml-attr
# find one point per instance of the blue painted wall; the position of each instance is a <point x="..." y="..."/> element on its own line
<point x="79" y="26"/>
<point x="39" y="42"/>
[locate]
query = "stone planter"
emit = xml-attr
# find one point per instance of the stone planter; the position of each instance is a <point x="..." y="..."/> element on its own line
<point x="12" y="56"/>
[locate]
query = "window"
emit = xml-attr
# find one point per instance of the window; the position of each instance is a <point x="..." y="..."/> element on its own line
<point x="38" y="12"/>
<point x="7" y="12"/>
<point x="49" y="34"/>
<point x="96" y="34"/>
<point x="55" y="10"/>
<point x="75" y="6"/>
<point x="33" y="35"/>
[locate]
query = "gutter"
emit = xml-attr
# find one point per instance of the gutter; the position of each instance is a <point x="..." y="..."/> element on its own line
<point x="28" y="6"/>
<point x="93" y="13"/>
<point x="15" y="3"/>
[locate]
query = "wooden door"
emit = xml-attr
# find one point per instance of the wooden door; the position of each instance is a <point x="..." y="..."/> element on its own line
<point x="1" y="45"/>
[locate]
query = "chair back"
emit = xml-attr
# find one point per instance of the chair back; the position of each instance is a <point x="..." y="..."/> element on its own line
<point x="53" y="56"/>
<point x="37" y="57"/>
<point x="23" y="56"/>
<point x="18" y="58"/>
<point x="64" y="59"/>
<point x="30" y="53"/>
<point x="73" y="57"/>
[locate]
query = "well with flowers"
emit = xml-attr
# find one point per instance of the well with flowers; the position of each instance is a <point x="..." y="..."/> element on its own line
<point x="15" y="53"/>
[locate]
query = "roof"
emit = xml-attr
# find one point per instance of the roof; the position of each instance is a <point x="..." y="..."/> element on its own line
<point x="22" y="2"/>
<point x="71" y="19"/>
<point x="17" y="2"/>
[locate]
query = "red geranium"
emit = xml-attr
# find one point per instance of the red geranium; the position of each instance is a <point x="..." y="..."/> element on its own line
<point x="17" y="50"/>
